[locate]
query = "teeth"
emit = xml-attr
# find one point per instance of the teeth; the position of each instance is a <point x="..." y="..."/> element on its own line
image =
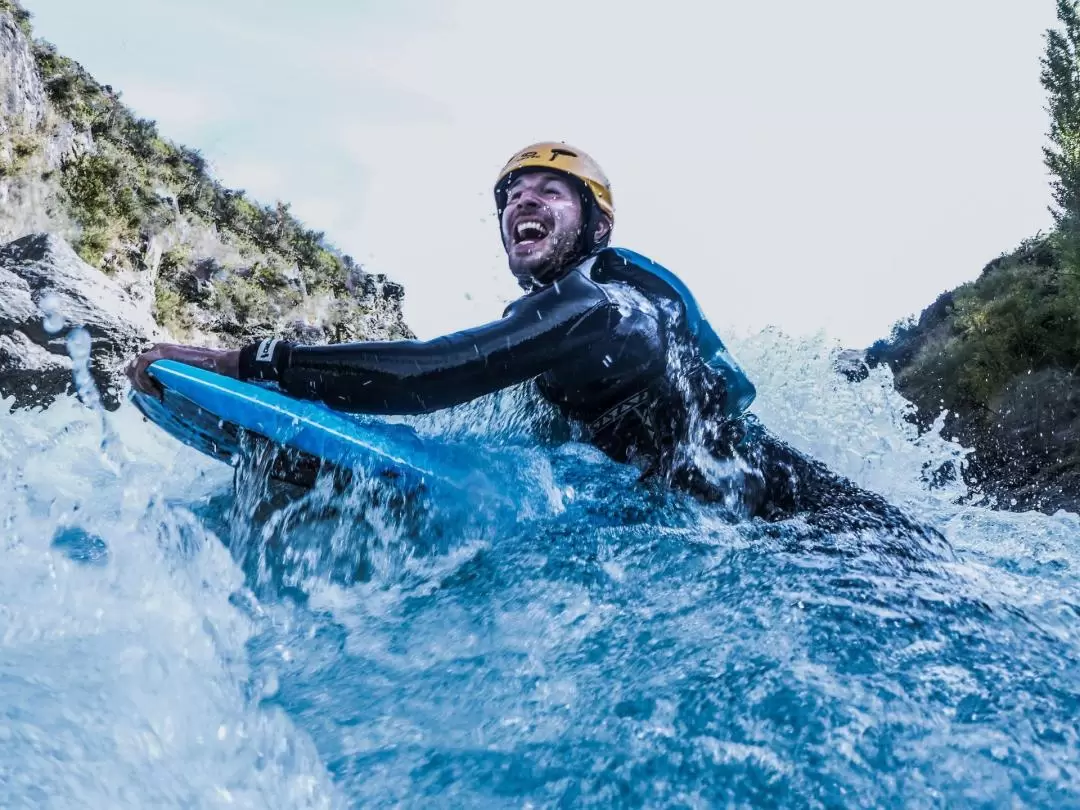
<point x="535" y="226"/>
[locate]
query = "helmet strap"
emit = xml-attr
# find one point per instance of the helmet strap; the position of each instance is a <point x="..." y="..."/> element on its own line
<point x="587" y="243"/>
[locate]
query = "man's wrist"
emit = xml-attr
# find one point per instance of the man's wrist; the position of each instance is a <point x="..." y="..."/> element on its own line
<point x="263" y="361"/>
<point x="230" y="363"/>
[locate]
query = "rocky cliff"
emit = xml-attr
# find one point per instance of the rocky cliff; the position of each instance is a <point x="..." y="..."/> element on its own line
<point x="159" y="248"/>
<point x="1001" y="355"/>
<point x="45" y="291"/>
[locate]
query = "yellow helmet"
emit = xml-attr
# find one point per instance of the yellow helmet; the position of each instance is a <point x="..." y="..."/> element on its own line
<point x="559" y="157"/>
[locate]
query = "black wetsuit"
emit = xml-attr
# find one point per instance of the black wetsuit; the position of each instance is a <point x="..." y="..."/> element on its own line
<point x="619" y="346"/>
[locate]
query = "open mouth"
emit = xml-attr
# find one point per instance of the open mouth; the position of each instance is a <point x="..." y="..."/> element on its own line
<point x="529" y="232"/>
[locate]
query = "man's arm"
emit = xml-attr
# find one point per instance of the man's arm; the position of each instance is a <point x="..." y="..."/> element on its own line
<point x="220" y="361"/>
<point x="538" y="333"/>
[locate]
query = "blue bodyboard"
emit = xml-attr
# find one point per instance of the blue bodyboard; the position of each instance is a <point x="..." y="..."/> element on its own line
<point x="213" y="414"/>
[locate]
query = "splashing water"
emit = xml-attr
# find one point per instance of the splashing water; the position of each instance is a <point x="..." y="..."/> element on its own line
<point x="171" y="641"/>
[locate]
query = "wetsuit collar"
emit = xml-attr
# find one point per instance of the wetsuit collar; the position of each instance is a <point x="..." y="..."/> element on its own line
<point x="584" y="265"/>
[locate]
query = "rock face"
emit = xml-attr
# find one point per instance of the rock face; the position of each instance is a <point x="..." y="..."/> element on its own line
<point x="22" y="100"/>
<point x="34" y="142"/>
<point x="1000" y="355"/>
<point x="1026" y="441"/>
<point x="145" y="242"/>
<point x="45" y="291"/>
<point x="1028" y="445"/>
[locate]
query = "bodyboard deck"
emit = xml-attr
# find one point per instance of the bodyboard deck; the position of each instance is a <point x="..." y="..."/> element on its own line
<point x="215" y="414"/>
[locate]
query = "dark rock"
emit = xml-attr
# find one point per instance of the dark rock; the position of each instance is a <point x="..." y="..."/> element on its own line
<point x="31" y="373"/>
<point x="391" y="290"/>
<point x="1027" y="447"/>
<point x="374" y="286"/>
<point x="194" y="287"/>
<point x="42" y="279"/>
<point x="851" y="364"/>
<point x="305" y="333"/>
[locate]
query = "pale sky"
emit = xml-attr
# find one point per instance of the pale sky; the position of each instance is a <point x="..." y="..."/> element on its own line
<point x="817" y="166"/>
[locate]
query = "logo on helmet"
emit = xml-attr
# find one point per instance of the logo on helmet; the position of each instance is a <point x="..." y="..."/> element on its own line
<point x="563" y="152"/>
<point x="555" y="153"/>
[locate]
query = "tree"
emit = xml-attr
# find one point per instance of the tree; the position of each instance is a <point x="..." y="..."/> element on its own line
<point x="1061" y="79"/>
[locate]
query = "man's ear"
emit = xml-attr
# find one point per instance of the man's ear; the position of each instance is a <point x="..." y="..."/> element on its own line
<point x="603" y="230"/>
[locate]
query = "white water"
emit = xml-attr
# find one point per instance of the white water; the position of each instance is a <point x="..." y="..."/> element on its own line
<point x="125" y="682"/>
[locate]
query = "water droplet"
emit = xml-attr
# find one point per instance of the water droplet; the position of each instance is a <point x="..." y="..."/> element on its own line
<point x="81" y="546"/>
<point x="271" y="685"/>
<point x="50" y="307"/>
<point x="78" y="345"/>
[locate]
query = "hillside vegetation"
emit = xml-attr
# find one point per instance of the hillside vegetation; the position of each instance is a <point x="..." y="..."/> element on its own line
<point x="211" y="261"/>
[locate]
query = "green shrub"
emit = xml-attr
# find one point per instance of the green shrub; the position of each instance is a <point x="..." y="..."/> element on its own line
<point x="170" y="309"/>
<point x="174" y="260"/>
<point x="1019" y="316"/>
<point x="104" y="198"/>
<point x="23" y="147"/>
<point x="92" y="244"/>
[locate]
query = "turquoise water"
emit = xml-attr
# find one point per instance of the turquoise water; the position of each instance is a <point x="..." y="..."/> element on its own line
<point x="570" y="639"/>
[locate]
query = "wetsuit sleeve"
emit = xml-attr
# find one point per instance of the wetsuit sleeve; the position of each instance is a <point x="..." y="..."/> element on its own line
<point x="537" y="334"/>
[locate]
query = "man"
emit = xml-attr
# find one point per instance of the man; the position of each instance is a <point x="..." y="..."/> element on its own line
<point x="613" y="340"/>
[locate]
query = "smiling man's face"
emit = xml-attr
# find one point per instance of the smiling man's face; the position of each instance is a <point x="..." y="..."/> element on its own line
<point x="541" y="224"/>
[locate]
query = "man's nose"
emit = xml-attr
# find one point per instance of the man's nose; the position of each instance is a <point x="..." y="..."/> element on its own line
<point x="528" y="199"/>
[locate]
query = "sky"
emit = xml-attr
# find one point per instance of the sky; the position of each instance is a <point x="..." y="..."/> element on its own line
<point x="821" y="167"/>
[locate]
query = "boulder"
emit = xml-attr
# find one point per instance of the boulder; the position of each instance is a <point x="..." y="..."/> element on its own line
<point x="46" y="290"/>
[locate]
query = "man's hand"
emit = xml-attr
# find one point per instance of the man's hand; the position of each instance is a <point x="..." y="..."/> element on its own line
<point x="220" y="361"/>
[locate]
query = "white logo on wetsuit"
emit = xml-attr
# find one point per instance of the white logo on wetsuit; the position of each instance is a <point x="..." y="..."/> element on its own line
<point x="265" y="354"/>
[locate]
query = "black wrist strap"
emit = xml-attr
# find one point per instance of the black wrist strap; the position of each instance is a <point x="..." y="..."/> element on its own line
<point x="264" y="361"/>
